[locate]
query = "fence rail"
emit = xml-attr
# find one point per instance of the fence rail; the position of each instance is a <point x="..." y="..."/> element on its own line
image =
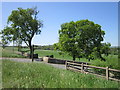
<point x="80" y="67"/>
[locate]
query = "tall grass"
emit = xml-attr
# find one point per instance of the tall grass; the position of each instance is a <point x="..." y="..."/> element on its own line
<point x="111" y="62"/>
<point x="39" y="75"/>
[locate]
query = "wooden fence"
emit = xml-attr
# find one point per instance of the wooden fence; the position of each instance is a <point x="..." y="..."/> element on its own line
<point x="85" y="68"/>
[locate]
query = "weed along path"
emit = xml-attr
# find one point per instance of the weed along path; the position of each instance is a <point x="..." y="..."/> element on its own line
<point x="35" y="61"/>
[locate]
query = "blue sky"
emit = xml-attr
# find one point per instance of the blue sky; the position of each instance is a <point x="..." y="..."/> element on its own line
<point x="53" y="14"/>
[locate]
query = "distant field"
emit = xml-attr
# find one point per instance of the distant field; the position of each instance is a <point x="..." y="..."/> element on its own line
<point x="52" y="52"/>
<point x="38" y="75"/>
<point x="11" y="52"/>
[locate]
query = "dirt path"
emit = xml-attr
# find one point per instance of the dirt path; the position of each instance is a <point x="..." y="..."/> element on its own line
<point x="35" y="61"/>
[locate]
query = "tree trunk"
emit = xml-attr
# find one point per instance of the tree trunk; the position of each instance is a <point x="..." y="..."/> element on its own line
<point x="73" y="57"/>
<point x="19" y="48"/>
<point x="102" y="59"/>
<point x="13" y="46"/>
<point x="89" y="59"/>
<point x="30" y="47"/>
<point x="30" y="51"/>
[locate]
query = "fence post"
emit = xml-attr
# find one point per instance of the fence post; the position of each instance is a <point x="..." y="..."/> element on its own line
<point x="66" y="64"/>
<point x="107" y="73"/>
<point x="73" y="64"/>
<point x="82" y="67"/>
<point x="86" y="67"/>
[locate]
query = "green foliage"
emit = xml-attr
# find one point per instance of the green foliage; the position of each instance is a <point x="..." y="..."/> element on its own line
<point x="56" y="46"/>
<point x="25" y="22"/>
<point x="80" y="38"/>
<point x="39" y="75"/>
<point x="6" y="36"/>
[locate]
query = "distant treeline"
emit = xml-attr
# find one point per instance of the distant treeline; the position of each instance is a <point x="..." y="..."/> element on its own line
<point x="46" y="47"/>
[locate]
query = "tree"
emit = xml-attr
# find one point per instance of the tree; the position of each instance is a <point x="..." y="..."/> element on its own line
<point x="24" y="25"/>
<point x="80" y="38"/>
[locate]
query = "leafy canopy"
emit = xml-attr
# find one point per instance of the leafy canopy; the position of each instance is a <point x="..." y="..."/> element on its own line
<point x="80" y="38"/>
<point x="23" y="25"/>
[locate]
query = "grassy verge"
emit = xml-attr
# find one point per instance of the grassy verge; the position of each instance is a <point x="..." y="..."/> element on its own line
<point x="38" y="75"/>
